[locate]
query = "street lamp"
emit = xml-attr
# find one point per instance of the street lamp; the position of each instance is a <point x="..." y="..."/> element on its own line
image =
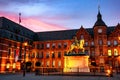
<point x="24" y="62"/>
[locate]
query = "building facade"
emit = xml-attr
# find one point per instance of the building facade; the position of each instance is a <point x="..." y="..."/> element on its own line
<point x="47" y="49"/>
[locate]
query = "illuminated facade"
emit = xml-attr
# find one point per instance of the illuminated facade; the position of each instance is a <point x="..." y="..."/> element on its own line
<point x="47" y="49"/>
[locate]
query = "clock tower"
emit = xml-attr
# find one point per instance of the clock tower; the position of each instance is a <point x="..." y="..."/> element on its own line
<point x="100" y="37"/>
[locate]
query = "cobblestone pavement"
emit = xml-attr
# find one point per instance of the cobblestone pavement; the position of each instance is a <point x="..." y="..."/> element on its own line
<point x="32" y="76"/>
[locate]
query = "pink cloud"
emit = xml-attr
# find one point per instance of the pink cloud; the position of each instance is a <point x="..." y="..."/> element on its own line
<point x="33" y="23"/>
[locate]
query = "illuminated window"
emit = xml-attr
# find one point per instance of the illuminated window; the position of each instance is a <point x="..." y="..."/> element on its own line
<point x="109" y="53"/>
<point x="53" y="63"/>
<point x="48" y="45"/>
<point x="59" y="63"/>
<point x="115" y="52"/>
<point x="86" y="43"/>
<point x="14" y="65"/>
<point x="115" y="43"/>
<point x="37" y="55"/>
<point x="48" y="63"/>
<point x="108" y="43"/>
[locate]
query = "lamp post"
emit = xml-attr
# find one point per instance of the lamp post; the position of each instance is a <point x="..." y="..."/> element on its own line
<point x="24" y="62"/>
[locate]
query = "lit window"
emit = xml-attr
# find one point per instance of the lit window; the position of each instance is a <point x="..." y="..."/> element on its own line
<point x="59" y="63"/>
<point x="53" y="63"/>
<point x="115" y="52"/>
<point x="115" y="43"/>
<point x="48" y="45"/>
<point x="109" y="53"/>
<point x="37" y="55"/>
<point x="48" y="63"/>
<point x="108" y="43"/>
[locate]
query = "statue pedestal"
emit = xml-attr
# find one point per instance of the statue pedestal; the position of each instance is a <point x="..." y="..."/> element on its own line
<point x="76" y="63"/>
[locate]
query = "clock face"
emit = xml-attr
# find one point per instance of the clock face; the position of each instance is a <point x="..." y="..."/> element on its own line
<point x="99" y="30"/>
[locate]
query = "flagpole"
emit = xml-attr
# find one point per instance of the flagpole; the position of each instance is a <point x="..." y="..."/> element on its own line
<point x="19" y="18"/>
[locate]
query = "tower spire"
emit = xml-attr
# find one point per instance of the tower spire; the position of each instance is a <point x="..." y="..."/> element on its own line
<point x="98" y="5"/>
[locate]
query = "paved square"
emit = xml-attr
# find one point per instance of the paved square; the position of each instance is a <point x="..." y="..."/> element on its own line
<point x="32" y="76"/>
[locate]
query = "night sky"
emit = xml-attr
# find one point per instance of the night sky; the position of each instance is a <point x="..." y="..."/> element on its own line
<point x="50" y="15"/>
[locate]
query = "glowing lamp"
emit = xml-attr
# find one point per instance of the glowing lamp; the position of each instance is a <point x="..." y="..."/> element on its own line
<point x="25" y="44"/>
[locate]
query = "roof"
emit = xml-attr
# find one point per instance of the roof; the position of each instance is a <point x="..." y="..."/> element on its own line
<point x="12" y="30"/>
<point x="7" y="26"/>
<point x="57" y="35"/>
<point x="99" y="21"/>
<point x="65" y="34"/>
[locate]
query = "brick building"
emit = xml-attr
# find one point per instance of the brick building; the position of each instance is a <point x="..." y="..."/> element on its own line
<point x="47" y="49"/>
